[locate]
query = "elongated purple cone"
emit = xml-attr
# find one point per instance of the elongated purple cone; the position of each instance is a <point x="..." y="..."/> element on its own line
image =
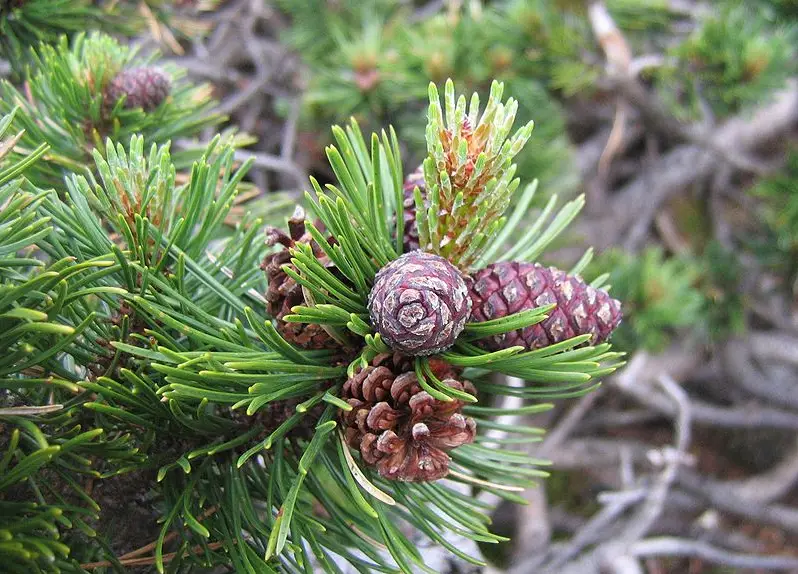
<point x="508" y="287"/>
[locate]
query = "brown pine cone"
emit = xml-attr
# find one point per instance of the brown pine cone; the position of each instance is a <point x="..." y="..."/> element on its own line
<point x="415" y="179"/>
<point x="399" y="428"/>
<point x="144" y="88"/>
<point x="508" y="287"/>
<point x="419" y="303"/>
<point x="284" y="292"/>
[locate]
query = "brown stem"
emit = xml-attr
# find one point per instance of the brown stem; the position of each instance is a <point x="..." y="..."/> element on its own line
<point x="134" y="554"/>
<point x="148" y="560"/>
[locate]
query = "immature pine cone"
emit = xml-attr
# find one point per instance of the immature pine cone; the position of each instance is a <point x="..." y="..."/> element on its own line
<point x="415" y="179"/>
<point x="144" y="88"/>
<point x="283" y="292"/>
<point x="419" y="303"/>
<point x="508" y="287"/>
<point x="398" y="427"/>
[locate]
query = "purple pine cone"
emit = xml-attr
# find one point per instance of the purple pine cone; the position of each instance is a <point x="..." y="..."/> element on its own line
<point x="144" y="88"/>
<point x="419" y="303"/>
<point x="415" y="179"/>
<point x="509" y="287"/>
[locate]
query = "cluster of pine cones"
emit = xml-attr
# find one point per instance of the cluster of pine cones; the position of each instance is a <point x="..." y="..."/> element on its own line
<point x="419" y="304"/>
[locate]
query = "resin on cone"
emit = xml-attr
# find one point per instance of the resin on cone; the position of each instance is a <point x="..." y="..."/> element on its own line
<point x="419" y="304"/>
<point x="144" y="88"/>
<point x="509" y="287"/>
<point x="284" y="292"/>
<point x="399" y="428"/>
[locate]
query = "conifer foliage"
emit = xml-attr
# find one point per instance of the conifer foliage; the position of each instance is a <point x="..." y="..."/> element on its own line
<point x="281" y="399"/>
<point x="79" y="86"/>
<point x="142" y="339"/>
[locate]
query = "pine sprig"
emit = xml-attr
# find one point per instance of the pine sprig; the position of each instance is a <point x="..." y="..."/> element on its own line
<point x="68" y="84"/>
<point x="26" y="23"/>
<point x="778" y="210"/>
<point x="735" y="57"/>
<point x="46" y="445"/>
<point x="369" y="192"/>
<point x="240" y="427"/>
<point x="468" y="173"/>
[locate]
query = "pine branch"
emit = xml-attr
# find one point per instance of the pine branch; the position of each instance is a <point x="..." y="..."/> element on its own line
<point x="231" y="410"/>
<point x="26" y="23"/>
<point x="81" y="88"/>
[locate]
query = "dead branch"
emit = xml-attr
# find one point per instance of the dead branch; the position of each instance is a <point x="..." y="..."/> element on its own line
<point x="635" y="381"/>
<point x="645" y="517"/>
<point x="738" y="356"/>
<point x="690" y="163"/>
<point x="765" y="487"/>
<point x="667" y="546"/>
<point x="780" y="515"/>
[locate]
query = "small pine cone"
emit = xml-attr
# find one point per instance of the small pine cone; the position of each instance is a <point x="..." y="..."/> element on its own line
<point x="508" y="287"/>
<point x="144" y="88"/>
<point x="284" y="292"/>
<point x="415" y="179"/>
<point x="399" y="428"/>
<point x="419" y="303"/>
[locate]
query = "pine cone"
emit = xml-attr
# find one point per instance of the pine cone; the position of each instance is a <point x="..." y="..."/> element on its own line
<point x="399" y="428"/>
<point x="284" y="292"/>
<point x="415" y="179"/>
<point x="144" y="88"/>
<point x="508" y="287"/>
<point x="419" y="303"/>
